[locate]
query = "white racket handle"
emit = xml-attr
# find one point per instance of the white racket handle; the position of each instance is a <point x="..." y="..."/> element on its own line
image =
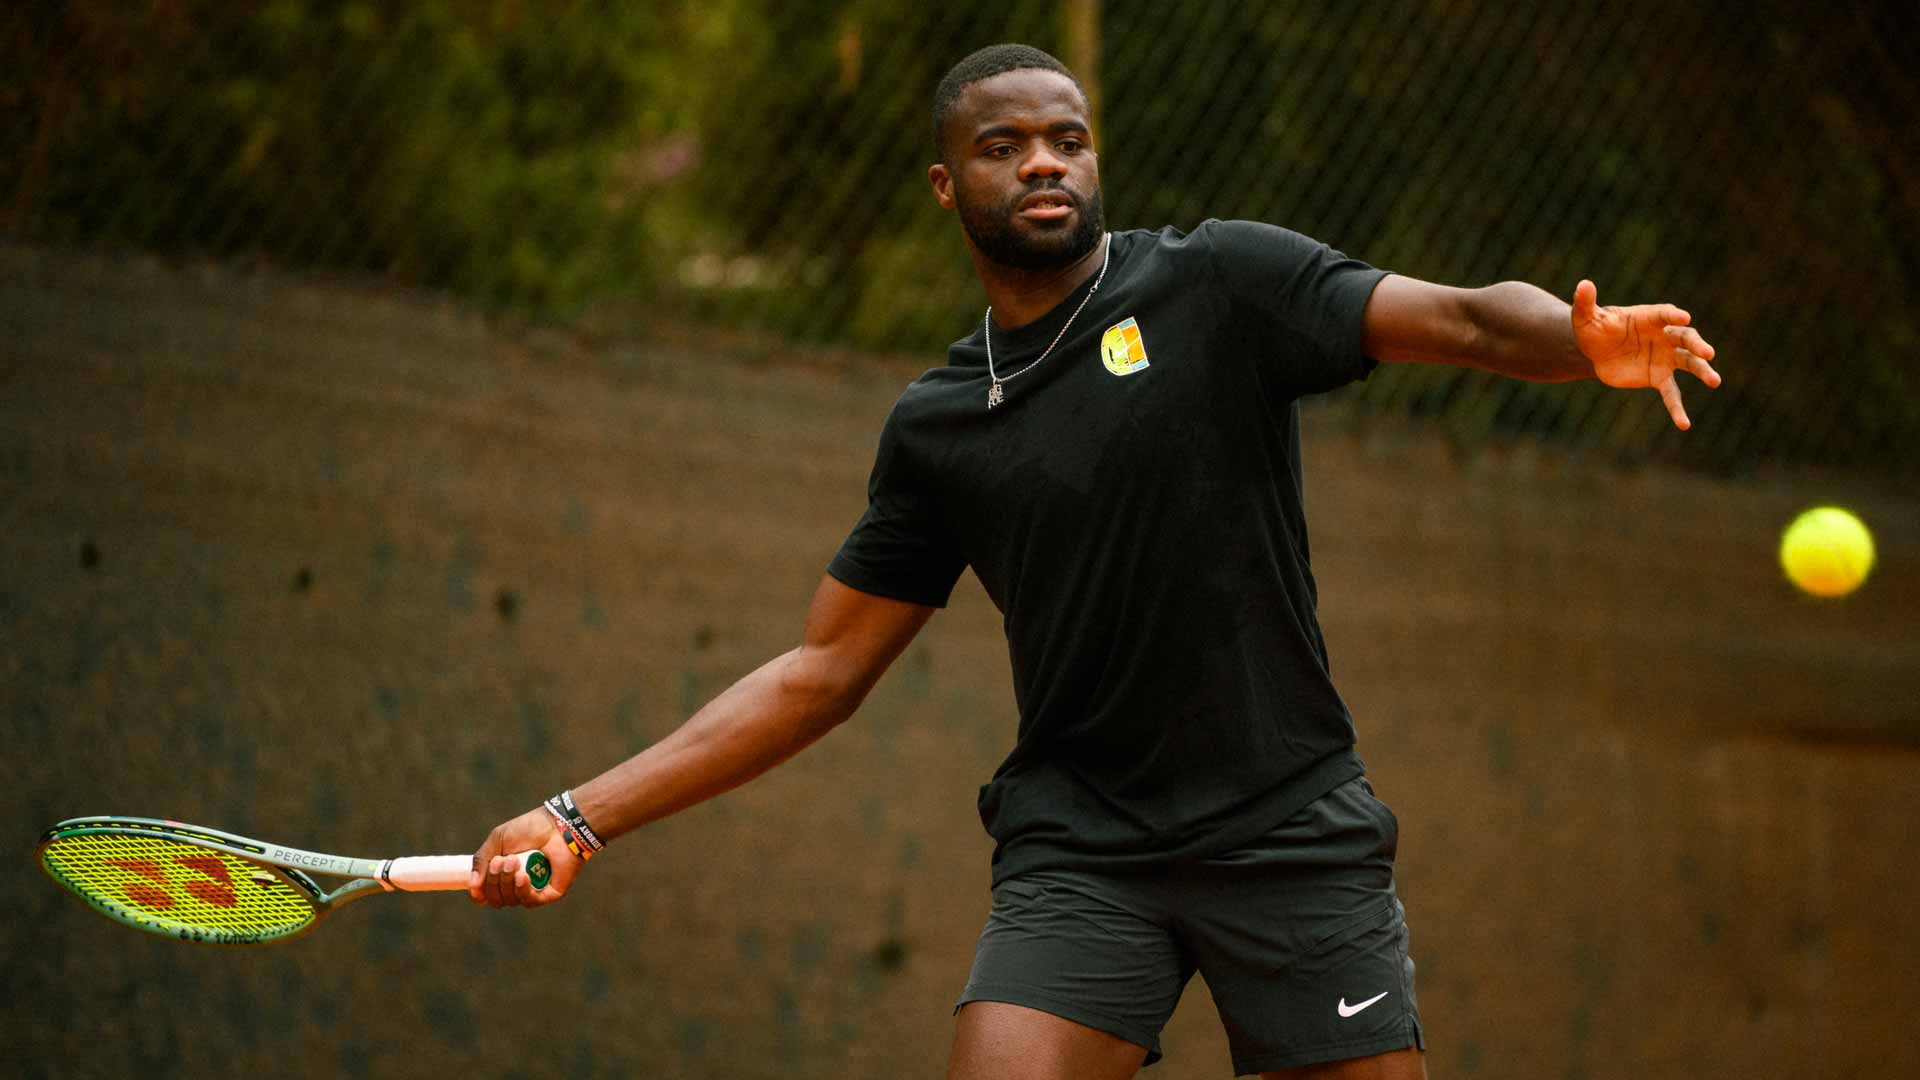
<point x="449" y="873"/>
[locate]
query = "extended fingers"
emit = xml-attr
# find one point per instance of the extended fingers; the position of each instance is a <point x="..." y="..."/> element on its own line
<point x="1691" y="353"/>
<point x="1686" y="337"/>
<point x="1670" y="396"/>
<point x="1698" y="367"/>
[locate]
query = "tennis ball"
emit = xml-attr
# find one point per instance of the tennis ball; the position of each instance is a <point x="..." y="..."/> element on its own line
<point x="1827" y="551"/>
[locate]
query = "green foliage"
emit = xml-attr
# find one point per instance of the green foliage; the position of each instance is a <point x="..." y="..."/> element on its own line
<point x="763" y="162"/>
<point x="469" y="151"/>
<point x="814" y="151"/>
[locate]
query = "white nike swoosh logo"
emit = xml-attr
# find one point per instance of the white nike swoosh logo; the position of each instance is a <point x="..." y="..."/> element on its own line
<point x="1347" y="1010"/>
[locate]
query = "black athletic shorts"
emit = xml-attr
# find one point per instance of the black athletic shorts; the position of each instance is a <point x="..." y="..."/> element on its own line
<point x="1299" y="936"/>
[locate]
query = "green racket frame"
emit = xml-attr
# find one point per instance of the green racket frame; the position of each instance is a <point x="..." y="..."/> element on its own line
<point x="293" y="866"/>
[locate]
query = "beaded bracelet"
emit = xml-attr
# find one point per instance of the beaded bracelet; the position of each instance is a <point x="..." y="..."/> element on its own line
<point x="569" y="838"/>
<point x="573" y="827"/>
<point x="579" y="822"/>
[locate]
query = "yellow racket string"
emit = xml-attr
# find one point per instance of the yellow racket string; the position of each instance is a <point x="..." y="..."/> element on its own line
<point x="152" y="880"/>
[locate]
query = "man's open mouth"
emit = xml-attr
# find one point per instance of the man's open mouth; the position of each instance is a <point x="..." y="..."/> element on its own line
<point x="1046" y="206"/>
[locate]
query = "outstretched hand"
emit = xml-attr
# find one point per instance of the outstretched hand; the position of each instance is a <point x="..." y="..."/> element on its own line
<point x="1641" y="346"/>
<point x="498" y="880"/>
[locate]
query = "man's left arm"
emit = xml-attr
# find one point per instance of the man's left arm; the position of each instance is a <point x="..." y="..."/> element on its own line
<point x="1518" y="330"/>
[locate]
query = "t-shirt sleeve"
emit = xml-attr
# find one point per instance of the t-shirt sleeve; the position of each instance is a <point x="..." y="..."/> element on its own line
<point x="1305" y="304"/>
<point x="897" y="549"/>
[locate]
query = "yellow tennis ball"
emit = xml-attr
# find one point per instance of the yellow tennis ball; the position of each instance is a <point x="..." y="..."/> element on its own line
<point x="1827" y="551"/>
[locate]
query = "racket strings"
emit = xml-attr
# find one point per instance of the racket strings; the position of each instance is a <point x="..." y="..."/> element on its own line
<point x="153" y="880"/>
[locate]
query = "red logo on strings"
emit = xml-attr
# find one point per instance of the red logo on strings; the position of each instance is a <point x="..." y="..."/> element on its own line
<point x="213" y="886"/>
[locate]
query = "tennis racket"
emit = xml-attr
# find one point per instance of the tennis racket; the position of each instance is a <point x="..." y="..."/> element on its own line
<point x="203" y="885"/>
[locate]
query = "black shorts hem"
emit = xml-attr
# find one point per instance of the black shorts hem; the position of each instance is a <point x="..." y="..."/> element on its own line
<point x="1410" y="1036"/>
<point x="1032" y="998"/>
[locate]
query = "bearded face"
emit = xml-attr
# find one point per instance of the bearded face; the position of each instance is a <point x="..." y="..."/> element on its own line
<point x="996" y="225"/>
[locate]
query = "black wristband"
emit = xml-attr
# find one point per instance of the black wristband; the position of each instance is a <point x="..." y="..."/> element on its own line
<point x="564" y="808"/>
<point x="567" y="836"/>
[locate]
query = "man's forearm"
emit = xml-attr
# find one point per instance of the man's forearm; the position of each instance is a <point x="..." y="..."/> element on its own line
<point x="1523" y="332"/>
<point x="760" y="721"/>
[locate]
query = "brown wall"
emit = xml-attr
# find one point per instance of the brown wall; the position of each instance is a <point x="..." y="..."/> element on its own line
<point x="1656" y="807"/>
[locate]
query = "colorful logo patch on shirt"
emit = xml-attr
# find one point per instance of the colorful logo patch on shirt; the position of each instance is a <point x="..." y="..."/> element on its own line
<point x="1122" y="349"/>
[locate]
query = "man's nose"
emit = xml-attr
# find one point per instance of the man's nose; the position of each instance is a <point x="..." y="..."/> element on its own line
<point x="1043" y="162"/>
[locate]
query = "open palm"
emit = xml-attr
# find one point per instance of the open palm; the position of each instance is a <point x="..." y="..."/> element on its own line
<point x="1641" y="346"/>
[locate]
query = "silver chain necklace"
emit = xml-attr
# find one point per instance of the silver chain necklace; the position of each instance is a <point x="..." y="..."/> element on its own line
<point x="995" y="395"/>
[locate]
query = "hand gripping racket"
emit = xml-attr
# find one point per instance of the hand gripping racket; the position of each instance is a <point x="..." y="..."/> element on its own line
<point x="196" y="884"/>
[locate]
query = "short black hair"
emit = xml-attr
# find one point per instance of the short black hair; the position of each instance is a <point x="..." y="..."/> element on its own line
<point x="985" y="64"/>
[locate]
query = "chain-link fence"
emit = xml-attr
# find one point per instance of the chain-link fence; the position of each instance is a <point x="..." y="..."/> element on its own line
<point x="762" y="163"/>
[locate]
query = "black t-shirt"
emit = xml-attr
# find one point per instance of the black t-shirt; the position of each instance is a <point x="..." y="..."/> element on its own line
<point x="1134" y="510"/>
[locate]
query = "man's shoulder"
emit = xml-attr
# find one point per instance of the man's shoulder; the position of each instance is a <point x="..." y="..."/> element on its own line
<point x="1167" y="241"/>
<point x="1206" y="235"/>
<point x="1216" y="245"/>
<point x="1166" y="256"/>
<point x="1233" y="237"/>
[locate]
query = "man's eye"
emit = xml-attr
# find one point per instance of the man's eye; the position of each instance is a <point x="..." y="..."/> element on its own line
<point x="1069" y="146"/>
<point x="999" y="151"/>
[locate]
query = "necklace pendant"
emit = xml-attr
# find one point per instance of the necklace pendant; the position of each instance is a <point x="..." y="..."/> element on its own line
<point x="995" y="395"/>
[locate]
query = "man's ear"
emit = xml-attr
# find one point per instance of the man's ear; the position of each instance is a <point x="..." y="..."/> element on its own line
<point x="942" y="181"/>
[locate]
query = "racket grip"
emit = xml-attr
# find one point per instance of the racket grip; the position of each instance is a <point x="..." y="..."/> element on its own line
<point x="449" y="873"/>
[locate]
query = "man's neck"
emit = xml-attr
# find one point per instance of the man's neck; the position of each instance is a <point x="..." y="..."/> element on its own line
<point x="1018" y="297"/>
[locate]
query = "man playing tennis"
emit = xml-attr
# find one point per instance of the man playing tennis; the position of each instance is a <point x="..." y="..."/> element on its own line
<point x="1115" y="454"/>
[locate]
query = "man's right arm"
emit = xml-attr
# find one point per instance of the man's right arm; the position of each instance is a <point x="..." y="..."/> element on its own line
<point x="850" y="639"/>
